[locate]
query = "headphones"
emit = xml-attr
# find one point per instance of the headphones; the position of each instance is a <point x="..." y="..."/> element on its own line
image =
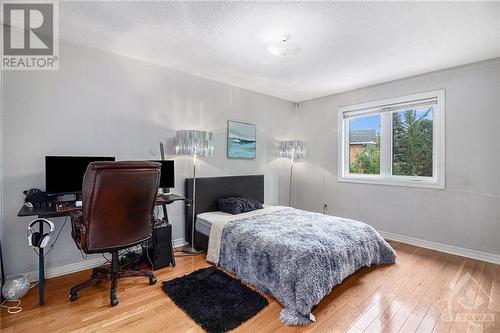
<point x="35" y="239"/>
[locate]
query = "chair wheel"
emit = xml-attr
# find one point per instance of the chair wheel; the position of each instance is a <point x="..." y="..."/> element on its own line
<point x="114" y="301"/>
<point x="152" y="280"/>
<point x="73" y="297"/>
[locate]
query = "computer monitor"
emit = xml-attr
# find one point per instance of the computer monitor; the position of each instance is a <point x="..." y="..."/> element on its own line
<point x="167" y="177"/>
<point x="64" y="174"/>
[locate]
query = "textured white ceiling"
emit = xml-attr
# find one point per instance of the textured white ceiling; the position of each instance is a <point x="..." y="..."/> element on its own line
<point x="345" y="45"/>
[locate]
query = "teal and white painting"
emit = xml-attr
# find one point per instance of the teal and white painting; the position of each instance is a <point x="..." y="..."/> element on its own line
<point x="241" y="140"/>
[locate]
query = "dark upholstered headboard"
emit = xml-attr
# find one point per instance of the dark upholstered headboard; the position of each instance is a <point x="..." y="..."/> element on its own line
<point x="210" y="189"/>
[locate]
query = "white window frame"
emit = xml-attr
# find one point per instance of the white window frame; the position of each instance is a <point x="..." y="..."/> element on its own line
<point x="437" y="181"/>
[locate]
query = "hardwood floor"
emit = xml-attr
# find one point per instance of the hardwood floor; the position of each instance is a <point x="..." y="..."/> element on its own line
<point x="425" y="291"/>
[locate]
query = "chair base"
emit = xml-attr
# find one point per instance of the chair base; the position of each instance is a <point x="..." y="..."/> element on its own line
<point x="110" y="274"/>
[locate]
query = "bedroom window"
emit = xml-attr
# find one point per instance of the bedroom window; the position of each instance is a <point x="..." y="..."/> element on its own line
<point x="397" y="141"/>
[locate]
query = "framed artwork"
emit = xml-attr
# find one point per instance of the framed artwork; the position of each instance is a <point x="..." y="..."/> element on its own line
<point x="241" y="140"/>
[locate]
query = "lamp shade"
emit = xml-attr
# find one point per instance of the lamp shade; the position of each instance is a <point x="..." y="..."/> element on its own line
<point x="194" y="143"/>
<point x="292" y="149"/>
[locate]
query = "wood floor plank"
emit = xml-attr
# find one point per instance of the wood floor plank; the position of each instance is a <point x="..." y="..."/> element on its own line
<point x="458" y="312"/>
<point x="408" y="298"/>
<point x="481" y="301"/>
<point x="467" y="301"/>
<point x="438" y="296"/>
<point x="494" y="301"/>
<point x="411" y="295"/>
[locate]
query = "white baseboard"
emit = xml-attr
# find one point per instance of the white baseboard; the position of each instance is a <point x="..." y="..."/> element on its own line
<point x="51" y="272"/>
<point x="459" y="251"/>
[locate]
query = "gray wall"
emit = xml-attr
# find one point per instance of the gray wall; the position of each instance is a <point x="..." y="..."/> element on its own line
<point x="1" y="157"/>
<point x="467" y="213"/>
<point x="103" y="104"/>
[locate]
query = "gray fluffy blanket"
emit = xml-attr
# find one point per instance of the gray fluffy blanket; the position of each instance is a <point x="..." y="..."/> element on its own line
<point x="299" y="256"/>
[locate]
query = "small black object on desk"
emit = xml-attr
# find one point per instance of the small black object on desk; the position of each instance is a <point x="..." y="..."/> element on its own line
<point x="50" y="211"/>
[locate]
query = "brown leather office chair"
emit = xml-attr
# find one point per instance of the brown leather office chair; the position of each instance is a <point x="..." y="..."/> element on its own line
<point x="117" y="213"/>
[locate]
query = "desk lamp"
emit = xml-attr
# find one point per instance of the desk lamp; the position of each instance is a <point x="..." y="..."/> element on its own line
<point x="194" y="143"/>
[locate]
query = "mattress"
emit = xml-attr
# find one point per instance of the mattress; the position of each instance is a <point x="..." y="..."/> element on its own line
<point x="204" y="221"/>
<point x="294" y="255"/>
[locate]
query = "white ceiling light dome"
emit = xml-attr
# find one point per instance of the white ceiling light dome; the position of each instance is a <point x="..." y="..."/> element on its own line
<point x="284" y="47"/>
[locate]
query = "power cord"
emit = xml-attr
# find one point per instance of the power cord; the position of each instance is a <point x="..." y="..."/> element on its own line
<point x="84" y="256"/>
<point x="108" y="261"/>
<point x="147" y="254"/>
<point x="14" y="308"/>
<point x="57" y="237"/>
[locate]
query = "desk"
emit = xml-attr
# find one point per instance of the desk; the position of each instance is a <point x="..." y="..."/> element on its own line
<point x="50" y="212"/>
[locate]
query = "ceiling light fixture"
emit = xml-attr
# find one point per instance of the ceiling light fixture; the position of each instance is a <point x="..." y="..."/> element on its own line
<point x="284" y="48"/>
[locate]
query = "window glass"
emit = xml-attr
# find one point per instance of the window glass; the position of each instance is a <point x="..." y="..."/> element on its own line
<point x="412" y="142"/>
<point x="397" y="141"/>
<point x="364" y="145"/>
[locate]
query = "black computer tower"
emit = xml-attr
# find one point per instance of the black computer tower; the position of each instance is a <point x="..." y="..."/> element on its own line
<point x="160" y="249"/>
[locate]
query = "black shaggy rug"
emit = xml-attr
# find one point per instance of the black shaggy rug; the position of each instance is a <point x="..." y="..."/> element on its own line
<point x="215" y="300"/>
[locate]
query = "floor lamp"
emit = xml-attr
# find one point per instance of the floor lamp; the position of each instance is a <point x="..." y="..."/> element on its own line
<point x="193" y="143"/>
<point x="293" y="150"/>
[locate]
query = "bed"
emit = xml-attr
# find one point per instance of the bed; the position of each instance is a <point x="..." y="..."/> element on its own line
<point x="294" y="255"/>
